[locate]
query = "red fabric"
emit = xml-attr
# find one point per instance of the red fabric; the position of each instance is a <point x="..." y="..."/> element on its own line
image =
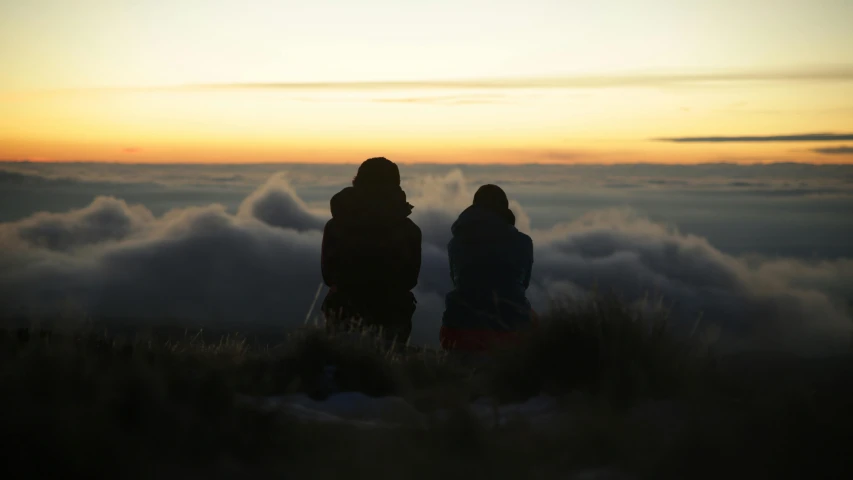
<point x="482" y="340"/>
<point x="476" y="340"/>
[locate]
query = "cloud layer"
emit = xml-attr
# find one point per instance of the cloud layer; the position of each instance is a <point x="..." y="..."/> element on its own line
<point x="260" y="266"/>
<point x="803" y="137"/>
<point x="768" y="304"/>
<point x="842" y="150"/>
<point x="654" y="80"/>
<point x="106" y="219"/>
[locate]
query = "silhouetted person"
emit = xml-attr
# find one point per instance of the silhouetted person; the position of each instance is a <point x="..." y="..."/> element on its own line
<point x="490" y="265"/>
<point x="371" y="254"/>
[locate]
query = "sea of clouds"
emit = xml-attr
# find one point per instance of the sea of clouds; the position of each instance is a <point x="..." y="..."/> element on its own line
<point x="258" y="264"/>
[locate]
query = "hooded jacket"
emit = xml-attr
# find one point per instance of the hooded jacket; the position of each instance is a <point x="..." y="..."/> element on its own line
<point x="490" y="266"/>
<point x="370" y="246"/>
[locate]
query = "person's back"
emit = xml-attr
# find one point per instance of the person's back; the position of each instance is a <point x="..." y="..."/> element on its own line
<point x="490" y="262"/>
<point x="371" y="253"/>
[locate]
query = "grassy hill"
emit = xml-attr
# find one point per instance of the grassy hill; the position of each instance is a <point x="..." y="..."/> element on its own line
<point x="635" y="401"/>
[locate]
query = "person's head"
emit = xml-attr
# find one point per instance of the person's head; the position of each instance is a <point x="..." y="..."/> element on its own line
<point x="493" y="198"/>
<point x="378" y="172"/>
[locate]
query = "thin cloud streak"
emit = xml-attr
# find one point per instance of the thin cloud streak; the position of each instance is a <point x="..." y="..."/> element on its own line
<point x="805" y="137"/>
<point x="842" y="150"/>
<point x="643" y="80"/>
<point x="580" y="81"/>
<point x="447" y="100"/>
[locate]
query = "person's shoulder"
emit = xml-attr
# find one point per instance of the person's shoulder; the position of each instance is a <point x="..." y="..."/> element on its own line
<point x="341" y="200"/>
<point x="524" y="239"/>
<point x="411" y="226"/>
<point x="331" y="226"/>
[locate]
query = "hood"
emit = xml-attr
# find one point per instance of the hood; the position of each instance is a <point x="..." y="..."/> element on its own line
<point x="476" y="222"/>
<point x="370" y="206"/>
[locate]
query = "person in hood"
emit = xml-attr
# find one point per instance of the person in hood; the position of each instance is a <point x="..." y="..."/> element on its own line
<point x="371" y="254"/>
<point x="490" y="266"/>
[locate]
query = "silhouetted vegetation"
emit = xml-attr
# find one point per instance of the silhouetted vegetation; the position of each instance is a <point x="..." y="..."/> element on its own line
<point x="634" y="399"/>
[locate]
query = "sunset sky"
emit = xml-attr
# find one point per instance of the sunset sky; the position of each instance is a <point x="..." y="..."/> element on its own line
<point x="441" y="81"/>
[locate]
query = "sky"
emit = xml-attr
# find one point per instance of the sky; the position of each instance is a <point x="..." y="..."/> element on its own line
<point x="461" y="81"/>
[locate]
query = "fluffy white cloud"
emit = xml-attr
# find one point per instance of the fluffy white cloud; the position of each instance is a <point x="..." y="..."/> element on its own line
<point x="105" y="219"/>
<point x="277" y="204"/>
<point x="260" y="266"/>
<point x="765" y="303"/>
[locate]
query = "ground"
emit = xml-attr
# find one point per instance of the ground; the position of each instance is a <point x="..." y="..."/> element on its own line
<point x="598" y="393"/>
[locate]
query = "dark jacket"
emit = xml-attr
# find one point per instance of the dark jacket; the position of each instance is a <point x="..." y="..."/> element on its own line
<point x="490" y="265"/>
<point x="371" y="253"/>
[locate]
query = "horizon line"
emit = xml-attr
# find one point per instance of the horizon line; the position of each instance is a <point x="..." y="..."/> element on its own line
<point x="502" y="164"/>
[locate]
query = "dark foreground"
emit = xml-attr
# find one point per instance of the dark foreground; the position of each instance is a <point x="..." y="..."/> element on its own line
<point x="638" y="404"/>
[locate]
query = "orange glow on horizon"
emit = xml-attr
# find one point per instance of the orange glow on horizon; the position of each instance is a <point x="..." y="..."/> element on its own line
<point x="662" y="154"/>
<point x="611" y="125"/>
